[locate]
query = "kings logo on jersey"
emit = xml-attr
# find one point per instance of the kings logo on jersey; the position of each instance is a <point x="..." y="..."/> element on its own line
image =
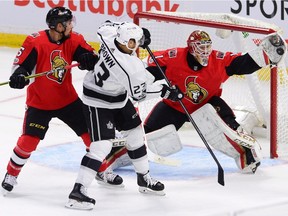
<point x="194" y="91"/>
<point x="57" y="62"/>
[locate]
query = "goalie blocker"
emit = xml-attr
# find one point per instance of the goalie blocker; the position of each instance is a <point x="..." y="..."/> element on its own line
<point x="243" y="148"/>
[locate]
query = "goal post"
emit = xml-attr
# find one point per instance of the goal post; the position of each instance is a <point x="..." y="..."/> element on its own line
<point x="263" y="93"/>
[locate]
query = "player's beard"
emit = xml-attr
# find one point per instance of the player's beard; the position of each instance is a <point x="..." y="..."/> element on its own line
<point x="67" y="35"/>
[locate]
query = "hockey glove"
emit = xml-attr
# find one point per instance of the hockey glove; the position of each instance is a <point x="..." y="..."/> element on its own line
<point x="172" y="93"/>
<point x="87" y="61"/>
<point x="275" y="47"/>
<point x="147" y="38"/>
<point x="17" y="79"/>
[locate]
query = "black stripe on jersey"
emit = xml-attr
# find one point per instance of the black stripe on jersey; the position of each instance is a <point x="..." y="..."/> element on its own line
<point x="93" y="123"/>
<point x="107" y="98"/>
<point x="131" y="90"/>
<point x="137" y="153"/>
<point x="30" y="62"/>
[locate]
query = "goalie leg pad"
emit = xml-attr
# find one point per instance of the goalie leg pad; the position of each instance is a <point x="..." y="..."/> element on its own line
<point x="164" y="141"/>
<point x="224" y="139"/>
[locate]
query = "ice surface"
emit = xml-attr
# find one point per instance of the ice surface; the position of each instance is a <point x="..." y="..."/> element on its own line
<point x="191" y="189"/>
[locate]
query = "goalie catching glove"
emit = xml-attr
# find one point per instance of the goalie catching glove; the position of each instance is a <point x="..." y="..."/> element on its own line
<point x="275" y="48"/>
<point x="172" y="93"/>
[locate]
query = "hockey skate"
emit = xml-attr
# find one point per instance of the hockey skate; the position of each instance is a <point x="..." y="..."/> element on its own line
<point x="252" y="155"/>
<point x="149" y="185"/>
<point x="78" y="199"/>
<point x="251" y="161"/>
<point x="108" y="178"/>
<point x="8" y="183"/>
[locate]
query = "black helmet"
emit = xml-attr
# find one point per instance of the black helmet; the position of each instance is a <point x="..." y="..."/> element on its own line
<point x="58" y="15"/>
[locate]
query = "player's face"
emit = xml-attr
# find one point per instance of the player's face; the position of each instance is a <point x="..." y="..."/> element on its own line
<point x="69" y="27"/>
<point x="132" y="44"/>
<point x="202" y="51"/>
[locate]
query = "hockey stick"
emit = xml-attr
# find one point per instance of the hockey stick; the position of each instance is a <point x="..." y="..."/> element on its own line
<point x="43" y="73"/>
<point x="220" y="169"/>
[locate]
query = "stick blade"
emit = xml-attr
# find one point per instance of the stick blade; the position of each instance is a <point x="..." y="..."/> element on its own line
<point x="221" y="176"/>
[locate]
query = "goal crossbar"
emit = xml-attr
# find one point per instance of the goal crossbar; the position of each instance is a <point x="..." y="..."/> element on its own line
<point x="229" y="22"/>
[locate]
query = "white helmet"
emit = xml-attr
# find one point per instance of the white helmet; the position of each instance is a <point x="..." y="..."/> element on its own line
<point x="127" y="31"/>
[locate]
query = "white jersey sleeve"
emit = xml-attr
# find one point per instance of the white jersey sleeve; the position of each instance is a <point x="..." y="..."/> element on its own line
<point x="116" y="75"/>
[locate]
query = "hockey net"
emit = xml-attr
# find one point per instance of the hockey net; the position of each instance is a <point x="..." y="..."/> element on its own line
<point x="259" y="100"/>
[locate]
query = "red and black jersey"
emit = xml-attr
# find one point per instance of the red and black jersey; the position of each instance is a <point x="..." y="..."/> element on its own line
<point x="198" y="85"/>
<point x="39" y="54"/>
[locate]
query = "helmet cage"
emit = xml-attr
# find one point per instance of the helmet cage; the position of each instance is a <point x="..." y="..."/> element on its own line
<point x="202" y="48"/>
<point x="200" y="45"/>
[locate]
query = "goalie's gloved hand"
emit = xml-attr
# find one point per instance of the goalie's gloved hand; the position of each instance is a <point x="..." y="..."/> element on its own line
<point x="147" y="38"/>
<point x="87" y="61"/>
<point x="172" y="93"/>
<point x="17" y="79"/>
<point x="275" y="47"/>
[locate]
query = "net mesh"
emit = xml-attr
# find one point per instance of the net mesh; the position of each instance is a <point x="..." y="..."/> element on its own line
<point x="251" y="92"/>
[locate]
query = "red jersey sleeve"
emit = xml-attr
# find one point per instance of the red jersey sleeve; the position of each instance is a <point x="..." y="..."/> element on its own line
<point x="24" y="51"/>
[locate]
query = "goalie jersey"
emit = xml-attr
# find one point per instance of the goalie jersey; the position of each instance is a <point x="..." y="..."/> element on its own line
<point x="198" y="84"/>
<point x="117" y="75"/>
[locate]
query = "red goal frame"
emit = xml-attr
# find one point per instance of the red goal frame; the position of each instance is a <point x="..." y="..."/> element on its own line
<point x="244" y="28"/>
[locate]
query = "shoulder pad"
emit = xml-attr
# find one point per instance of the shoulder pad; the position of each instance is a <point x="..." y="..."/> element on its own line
<point x="172" y="53"/>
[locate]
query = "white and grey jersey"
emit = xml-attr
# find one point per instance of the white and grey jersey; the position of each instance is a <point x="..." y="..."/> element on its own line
<point x="116" y="76"/>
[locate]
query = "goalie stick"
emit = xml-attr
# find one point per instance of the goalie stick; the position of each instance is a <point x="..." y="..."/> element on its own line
<point x="220" y="169"/>
<point x="43" y="73"/>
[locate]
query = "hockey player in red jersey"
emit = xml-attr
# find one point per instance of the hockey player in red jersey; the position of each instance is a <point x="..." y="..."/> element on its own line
<point x="199" y="72"/>
<point x="52" y="95"/>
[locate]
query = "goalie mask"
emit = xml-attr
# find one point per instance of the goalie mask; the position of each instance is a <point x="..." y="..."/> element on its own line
<point x="59" y="15"/>
<point x="200" y="46"/>
<point x="130" y="31"/>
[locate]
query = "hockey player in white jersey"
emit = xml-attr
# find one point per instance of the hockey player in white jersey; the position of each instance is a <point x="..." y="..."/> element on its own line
<point x="118" y="75"/>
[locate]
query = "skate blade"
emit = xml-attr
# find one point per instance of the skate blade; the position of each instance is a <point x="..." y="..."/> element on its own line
<point x="73" y="204"/>
<point x="105" y="184"/>
<point x="145" y="190"/>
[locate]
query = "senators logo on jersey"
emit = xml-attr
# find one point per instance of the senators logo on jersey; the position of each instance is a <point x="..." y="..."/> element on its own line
<point x="57" y="62"/>
<point x="194" y="91"/>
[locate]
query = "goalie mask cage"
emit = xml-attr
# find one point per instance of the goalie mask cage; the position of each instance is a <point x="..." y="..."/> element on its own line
<point x="263" y="94"/>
